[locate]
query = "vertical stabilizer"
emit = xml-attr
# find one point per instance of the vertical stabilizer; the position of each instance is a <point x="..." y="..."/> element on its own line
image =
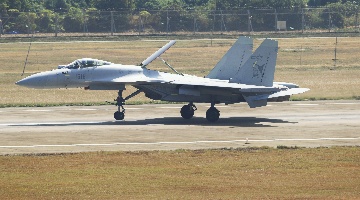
<point x="259" y="69"/>
<point x="233" y="60"/>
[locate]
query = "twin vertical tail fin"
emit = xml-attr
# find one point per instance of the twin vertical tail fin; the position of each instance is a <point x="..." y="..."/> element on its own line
<point x="233" y="60"/>
<point x="240" y="65"/>
<point x="259" y="69"/>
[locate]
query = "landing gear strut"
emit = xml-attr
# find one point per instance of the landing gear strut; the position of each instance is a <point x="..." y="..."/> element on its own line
<point x="120" y="101"/>
<point x="212" y="114"/>
<point x="187" y="111"/>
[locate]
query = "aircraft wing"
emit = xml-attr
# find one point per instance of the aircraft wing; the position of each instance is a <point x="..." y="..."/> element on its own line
<point x="205" y="82"/>
<point x="188" y="80"/>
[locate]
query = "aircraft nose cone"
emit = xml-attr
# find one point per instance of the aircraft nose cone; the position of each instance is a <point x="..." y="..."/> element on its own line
<point x="33" y="81"/>
<point x="21" y="83"/>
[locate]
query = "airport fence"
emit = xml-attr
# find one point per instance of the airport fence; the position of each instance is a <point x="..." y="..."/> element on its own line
<point x="177" y="21"/>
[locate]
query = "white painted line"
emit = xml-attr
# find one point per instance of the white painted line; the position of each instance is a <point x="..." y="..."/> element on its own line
<point x="85" y="109"/>
<point x="339" y="138"/>
<point x="55" y="145"/>
<point x="17" y="147"/>
<point x="133" y="143"/>
<point x="168" y="107"/>
<point x="155" y="124"/>
<point x="175" y="142"/>
<point x="295" y="139"/>
<point x="305" y="104"/>
<point x="341" y="103"/>
<point x="172" y="143"/>
<point x="95" y="144"/>
<point x="52" y="123"/>
<point x="38" y="110"/>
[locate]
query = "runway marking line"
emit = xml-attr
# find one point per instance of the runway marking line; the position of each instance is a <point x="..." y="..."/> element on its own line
<point x="305" y="104"/>
<point x="33" y="110"/>
<point x="341" y="103"/>
<point x="168" y="107"/>
<point x="85" y="109"/>
<point x="53" y="123"/>
<point x="184" y="142"/>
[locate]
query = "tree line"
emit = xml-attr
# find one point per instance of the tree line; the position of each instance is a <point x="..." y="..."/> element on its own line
<point x="123" y="15"/>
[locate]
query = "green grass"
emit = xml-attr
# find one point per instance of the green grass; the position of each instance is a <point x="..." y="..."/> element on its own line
<point x="244" y="173"/>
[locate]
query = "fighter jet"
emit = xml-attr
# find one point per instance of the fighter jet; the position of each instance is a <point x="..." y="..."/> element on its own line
<point x="240" y="76"/>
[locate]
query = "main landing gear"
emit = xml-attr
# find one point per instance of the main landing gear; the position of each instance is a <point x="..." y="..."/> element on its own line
<point x="187" y="111"/>
<point x="120" y="101"/>
<point x="212" y="114"/>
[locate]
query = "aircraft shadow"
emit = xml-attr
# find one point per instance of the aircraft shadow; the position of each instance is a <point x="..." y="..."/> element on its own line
<point x="196" y="121"/>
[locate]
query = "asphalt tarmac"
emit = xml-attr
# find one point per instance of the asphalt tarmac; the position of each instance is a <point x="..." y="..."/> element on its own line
<point x="160" y="127"/>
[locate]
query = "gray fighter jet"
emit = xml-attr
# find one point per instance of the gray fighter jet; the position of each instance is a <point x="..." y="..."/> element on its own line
<point x="240" y="76"/>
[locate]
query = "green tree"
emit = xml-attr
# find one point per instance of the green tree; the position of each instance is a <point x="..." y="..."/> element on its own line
<point x="25" y="22"/>
<point x="114" y="4"/>
<point x="46" y="21"/>
<point x="73" y="20"/>
<point x="147" y="4"/>
<point x="322" y="2"/>
<point x="3" y="7"/>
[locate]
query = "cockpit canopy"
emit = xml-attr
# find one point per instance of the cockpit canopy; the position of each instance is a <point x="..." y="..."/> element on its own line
<point x="84" y="63"/>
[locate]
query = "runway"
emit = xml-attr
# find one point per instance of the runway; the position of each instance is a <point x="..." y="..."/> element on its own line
<point x="160" y="127"/>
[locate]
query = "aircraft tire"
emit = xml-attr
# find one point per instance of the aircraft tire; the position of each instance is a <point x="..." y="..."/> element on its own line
<point x="119" y="115"/>
<point x="187" y="112"/>
<point x="212" y="114"/>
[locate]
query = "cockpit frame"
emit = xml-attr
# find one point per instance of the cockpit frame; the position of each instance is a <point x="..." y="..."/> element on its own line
<point x="85" y="63"/>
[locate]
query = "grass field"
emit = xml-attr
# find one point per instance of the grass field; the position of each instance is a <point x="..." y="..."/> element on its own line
<point x="263" y="173"/>
<point x="305" y="61"/>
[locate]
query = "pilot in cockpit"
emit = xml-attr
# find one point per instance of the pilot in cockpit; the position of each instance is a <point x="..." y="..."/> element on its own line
<point x="73" y="65"/>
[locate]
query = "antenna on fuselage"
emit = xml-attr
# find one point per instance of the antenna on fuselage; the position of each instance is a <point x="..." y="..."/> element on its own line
<point x="27" y="56"/>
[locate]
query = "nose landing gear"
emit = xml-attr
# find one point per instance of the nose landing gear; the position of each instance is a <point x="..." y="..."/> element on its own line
<point x="120" y="101"/>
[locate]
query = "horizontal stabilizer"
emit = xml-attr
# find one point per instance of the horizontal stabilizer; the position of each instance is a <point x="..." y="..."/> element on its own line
<point x="283" y="93"/>
<point x="254" y="102"/>
<point x="288" y="92"/>
<point x="261" y="100"/>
